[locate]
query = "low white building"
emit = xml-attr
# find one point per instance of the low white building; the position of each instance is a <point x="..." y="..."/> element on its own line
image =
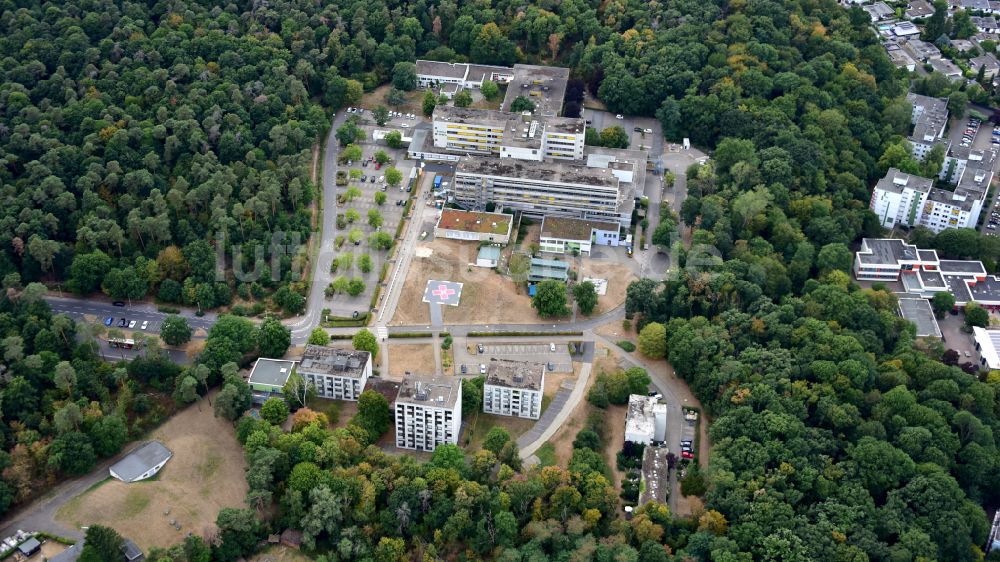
<point x="457" y="224"/>
<point x="987" y="347"/>
<point x="428" y="412"/>
<point x="646" y="420"/>
<point x="562" y="235"/>
<point x="340" y="374"/>
<point x="514" y="388"/>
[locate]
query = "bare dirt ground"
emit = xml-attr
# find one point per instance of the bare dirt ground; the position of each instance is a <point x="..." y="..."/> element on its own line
<point x="618" y="277"/>
<point x="487" y="297"/>
<point x="205" y="474"/>
<point x="280" y="554"/>
<point x="48" y="551"/>
<point x="615" y="332"/>
<point x="415" y="358"/>
<point x="375" y="97"/>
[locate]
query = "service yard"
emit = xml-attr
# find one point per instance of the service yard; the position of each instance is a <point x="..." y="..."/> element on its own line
<point x="618" y="278"/>
<point x="487" y="297"/>
<point x="205" y="475"/>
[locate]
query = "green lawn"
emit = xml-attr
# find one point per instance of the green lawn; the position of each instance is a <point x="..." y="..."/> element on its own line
<point x="546" y="455"/>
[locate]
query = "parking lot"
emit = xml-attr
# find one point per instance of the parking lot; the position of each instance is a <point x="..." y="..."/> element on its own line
<point x="368" y="176"/>
<point x="474" y="355"/>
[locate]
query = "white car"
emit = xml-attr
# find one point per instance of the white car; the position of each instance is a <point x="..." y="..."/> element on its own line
<point x="145" y="324"/>
<point x="619" y="116"/>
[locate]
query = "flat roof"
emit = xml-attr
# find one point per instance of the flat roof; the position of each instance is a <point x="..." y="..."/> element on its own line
<point x="443" y="69"/>
<point x="574" y="229"/>
<point x="141" y="460"/>
<point x="322" y="360"/>
<point x="545" y="86"/>
<point x="552" y="172"/>
<point x="895" y="181"/>
<point x="655" y="475"/>
<point x="640" y="417"/>
<point x="962" y="266"/>
<point x="515" y="374"/>
<point x="986" y="291"/>
<point x="887" y="251"/>
<point x="429" y="391"/>
<point x="471" y="221"/>
<point x="920" y="313"/>
<point x="271" y="372"/>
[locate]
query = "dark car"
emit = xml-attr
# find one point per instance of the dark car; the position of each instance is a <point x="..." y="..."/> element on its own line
<point x="118" y="303"/>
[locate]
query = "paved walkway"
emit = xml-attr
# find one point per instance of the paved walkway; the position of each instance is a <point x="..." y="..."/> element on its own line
<point x="555" y="415"/>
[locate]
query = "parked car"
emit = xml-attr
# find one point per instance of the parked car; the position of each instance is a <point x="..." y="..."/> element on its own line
<point x="109" y="320"/>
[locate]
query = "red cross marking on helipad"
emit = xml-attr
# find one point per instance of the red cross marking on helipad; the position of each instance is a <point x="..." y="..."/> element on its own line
<point x="443" y="292"/>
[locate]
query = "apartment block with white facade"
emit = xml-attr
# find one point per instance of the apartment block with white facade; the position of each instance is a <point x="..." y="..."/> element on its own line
<point x="514" y="388"/>
<point x="898" y="198"/>
<point x="929" y="119"/>
<point x="340" y="374"/>
<point x="428" y="412"/>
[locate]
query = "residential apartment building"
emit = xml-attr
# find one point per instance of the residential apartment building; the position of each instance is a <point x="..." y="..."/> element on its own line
<point x="901" y="199"/>
<point x="428" y="412"/>
<point x="898" y="198"/>
<point x="514" y="388"/>
<point x="340" y="374"/>
<point x="929" y="118"/>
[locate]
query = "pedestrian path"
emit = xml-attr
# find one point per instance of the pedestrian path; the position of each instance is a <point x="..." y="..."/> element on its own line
<point x="555" y="415"/>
